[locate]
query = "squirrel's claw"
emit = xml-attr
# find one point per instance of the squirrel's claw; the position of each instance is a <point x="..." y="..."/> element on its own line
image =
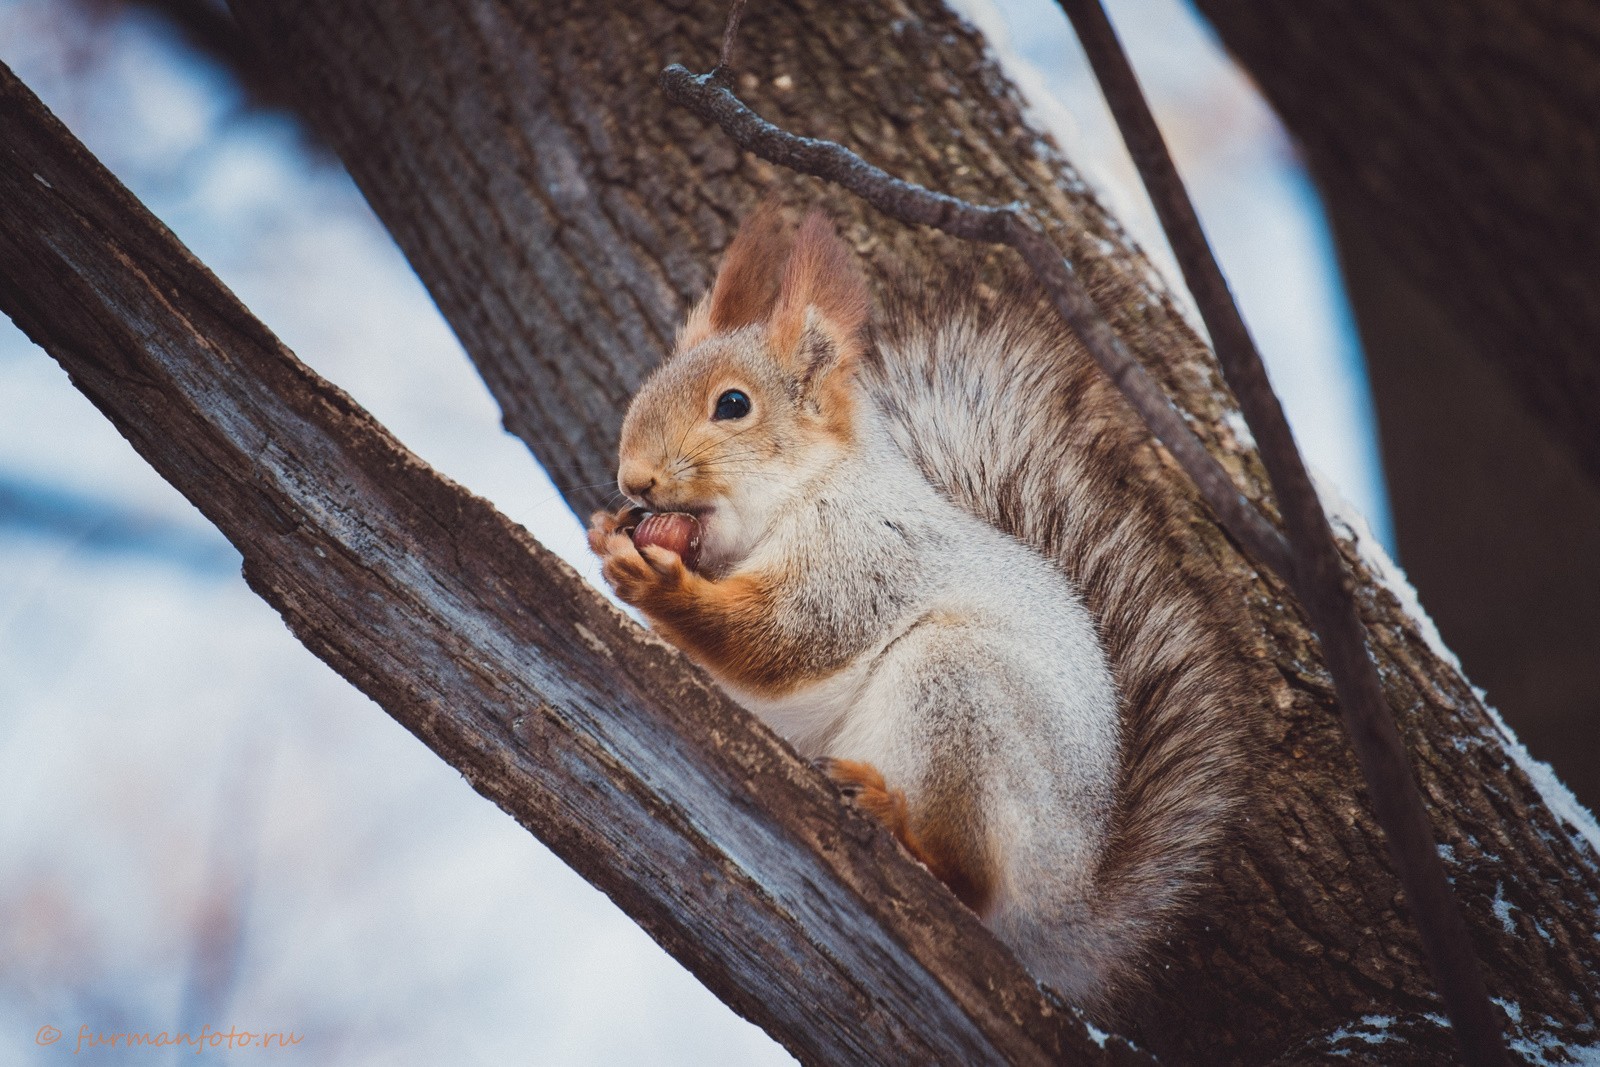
<point x="624" y="569"/>
<point x="604" y="524"/>
<point x="842" y="775"/>
<point x="666" y="562"/>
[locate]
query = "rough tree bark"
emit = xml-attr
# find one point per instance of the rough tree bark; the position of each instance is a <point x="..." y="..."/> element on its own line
<point x="600" y="739"/>
<point x="1454" y="144"/>
<point x="563" y="216"/>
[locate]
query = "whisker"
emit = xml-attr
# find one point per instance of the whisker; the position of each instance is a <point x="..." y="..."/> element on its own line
<point x="579" y="488"/>
<point x="563" y="469"/>
<point x="748" y="453"/>
<point x="560" y="494"/>
<point x="684" y="436"/>
<point x="714" y="466"/>
<point x="720" y="441"/>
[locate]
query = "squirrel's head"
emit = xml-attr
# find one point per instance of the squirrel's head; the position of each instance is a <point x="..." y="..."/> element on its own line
<point x="759" y="394"/>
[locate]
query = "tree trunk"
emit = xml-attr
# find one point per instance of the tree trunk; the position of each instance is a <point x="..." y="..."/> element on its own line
<point x="1495" y="522"/>
<point x="1459" y="135"/>
<point x="800" y="913"/>
<point x="1454" y="142"/>
<point x="563" y="217"/>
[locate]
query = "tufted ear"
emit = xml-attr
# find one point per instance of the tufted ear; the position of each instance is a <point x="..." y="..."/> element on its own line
<point x="746" y="288"/>
<point x="822" y="303"/>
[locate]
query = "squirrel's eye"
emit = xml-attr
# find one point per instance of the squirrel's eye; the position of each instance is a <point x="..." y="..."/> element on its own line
<point x="732" y="405"/>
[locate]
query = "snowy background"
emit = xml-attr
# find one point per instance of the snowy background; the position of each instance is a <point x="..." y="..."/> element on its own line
<point x="202" y="824"/>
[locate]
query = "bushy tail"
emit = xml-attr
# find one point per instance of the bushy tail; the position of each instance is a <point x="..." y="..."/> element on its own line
<point x="1003" y="410"/>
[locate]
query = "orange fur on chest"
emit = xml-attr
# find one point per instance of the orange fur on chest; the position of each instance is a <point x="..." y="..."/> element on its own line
<point x="728" y="627"/>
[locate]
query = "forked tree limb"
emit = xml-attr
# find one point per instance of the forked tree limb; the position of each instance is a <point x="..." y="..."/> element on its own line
<point x="1319" y="578"/>
<point x="735" y="855"/>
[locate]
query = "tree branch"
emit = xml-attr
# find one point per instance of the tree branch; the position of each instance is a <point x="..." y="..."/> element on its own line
<point x="565" y="217"/>
<point x="1319" y="576"/>
<point x="736" y="856"/>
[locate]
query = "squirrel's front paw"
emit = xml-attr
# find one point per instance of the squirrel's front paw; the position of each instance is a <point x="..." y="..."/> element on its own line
<point x="604" y="524"/>
<point x="639" y="577"/>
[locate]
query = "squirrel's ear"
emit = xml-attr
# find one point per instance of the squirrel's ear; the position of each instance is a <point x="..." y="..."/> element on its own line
<point x="746" y="288"/>
<point x="823" y="292"/>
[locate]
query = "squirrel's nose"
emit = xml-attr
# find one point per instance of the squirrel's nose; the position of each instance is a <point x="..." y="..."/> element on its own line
<point x="639" y="488"/>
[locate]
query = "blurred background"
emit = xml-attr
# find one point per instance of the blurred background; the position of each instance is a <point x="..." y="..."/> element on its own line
<point x="199" y="821"/>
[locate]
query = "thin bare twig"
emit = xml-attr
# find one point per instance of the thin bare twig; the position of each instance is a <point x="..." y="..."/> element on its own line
<point x="730" y="37"/>
<point x="704" y="95"/>
<point x="1320" y="577"/>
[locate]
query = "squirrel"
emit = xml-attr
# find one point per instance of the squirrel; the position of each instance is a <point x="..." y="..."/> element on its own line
<point x="927" y="558"/>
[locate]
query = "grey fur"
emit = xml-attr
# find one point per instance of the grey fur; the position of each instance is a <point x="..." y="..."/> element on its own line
<point x="1002" y="410"/>
<point x="992" y="600"/>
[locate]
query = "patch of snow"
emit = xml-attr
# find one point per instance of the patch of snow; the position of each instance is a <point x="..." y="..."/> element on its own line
<point x="1374" y="1030"/>
<point x="1239" y="428"/>
<point x="1557" y="797"/>
<point x="1555" y="794"/>
<point x="1548" y="1042"/>
<point x="1555" y="1052"/>
<point x="1341" y="512"/>
<point x="1503" y="909"/>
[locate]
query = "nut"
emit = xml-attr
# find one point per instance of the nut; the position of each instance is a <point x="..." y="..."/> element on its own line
<point x="675" y="530"/>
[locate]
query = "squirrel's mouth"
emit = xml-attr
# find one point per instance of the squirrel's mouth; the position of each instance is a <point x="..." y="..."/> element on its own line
<point x="701" y="512"/>
<point x="701" y="515"/>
